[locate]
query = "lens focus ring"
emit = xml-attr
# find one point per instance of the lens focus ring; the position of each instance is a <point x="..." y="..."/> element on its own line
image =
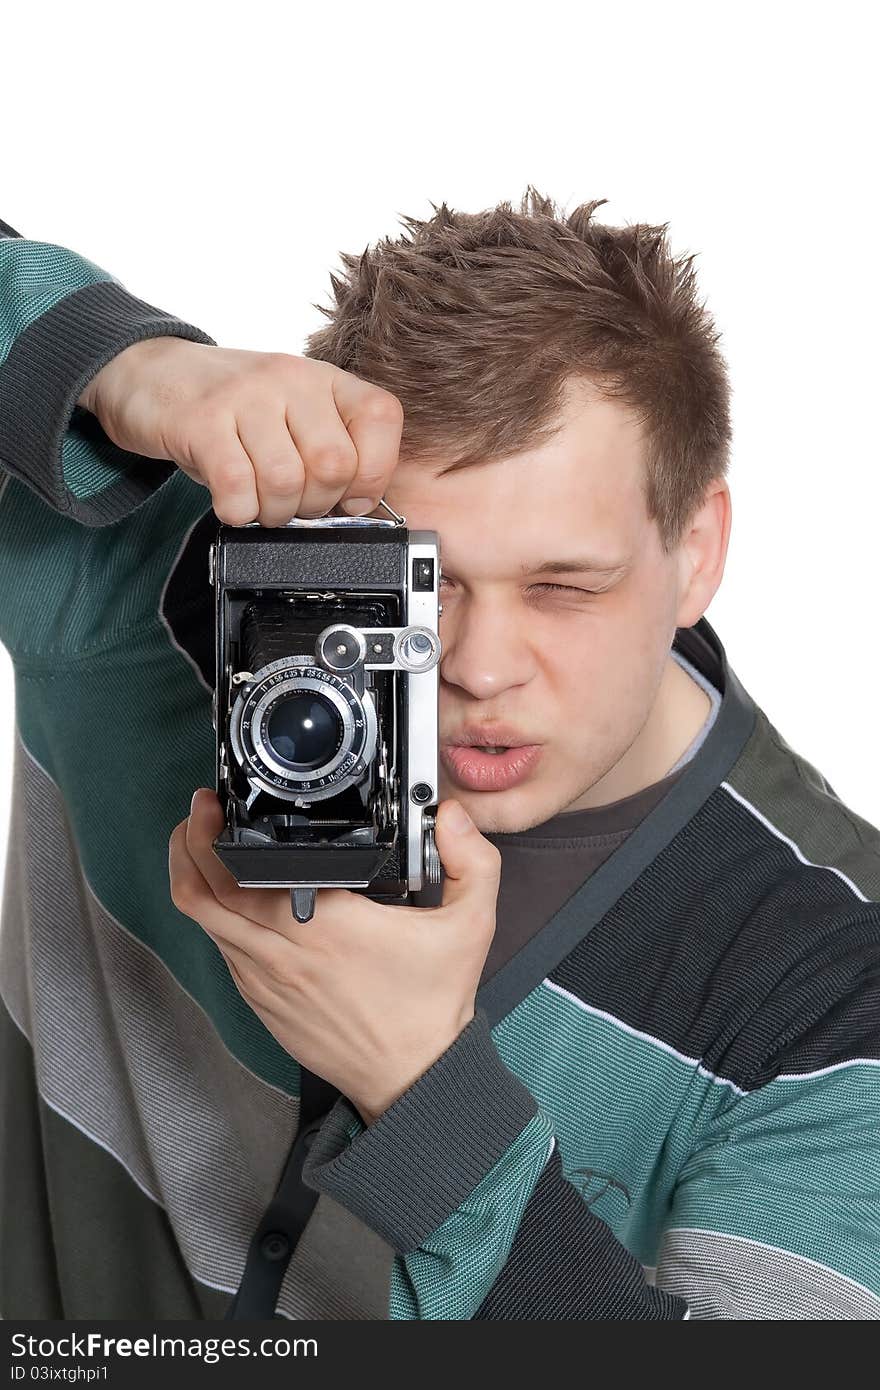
<point x="297" y="729"/>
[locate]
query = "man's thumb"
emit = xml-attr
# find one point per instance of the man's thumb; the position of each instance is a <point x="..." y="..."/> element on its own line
<point x="469" y="861"/>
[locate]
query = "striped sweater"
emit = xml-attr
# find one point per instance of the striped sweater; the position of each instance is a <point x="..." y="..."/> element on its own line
<point x="667" y="1105"/>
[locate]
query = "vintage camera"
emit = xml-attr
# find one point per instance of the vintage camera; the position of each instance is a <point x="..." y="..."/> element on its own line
<point x="325" y="706"/>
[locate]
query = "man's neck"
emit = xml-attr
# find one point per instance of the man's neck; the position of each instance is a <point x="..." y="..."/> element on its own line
<point x="678" y="714"/>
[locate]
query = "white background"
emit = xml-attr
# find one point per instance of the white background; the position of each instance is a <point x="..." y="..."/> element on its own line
<point x="217" y="158"/>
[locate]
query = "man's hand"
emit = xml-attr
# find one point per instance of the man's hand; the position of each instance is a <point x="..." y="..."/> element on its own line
<point x="271" y="435"/>
<point x="366" y="995"/>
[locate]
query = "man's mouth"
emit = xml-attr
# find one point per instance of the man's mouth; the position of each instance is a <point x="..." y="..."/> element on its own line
<point x="476" y="764"/>
<point x="491" y="737"/>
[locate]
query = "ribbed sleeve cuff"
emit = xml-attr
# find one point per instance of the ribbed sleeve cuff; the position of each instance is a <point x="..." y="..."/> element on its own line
<point x="411" y="1169"/>
<point x="42" y="378"/>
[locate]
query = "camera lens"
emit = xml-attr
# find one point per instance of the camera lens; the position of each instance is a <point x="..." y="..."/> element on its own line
<point x="304" y="730"/>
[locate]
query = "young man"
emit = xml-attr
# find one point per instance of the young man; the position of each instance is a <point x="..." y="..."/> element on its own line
<point x="629" y="1067"/>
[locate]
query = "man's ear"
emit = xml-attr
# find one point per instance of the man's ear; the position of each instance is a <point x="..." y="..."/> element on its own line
<point x="703" y="552"/>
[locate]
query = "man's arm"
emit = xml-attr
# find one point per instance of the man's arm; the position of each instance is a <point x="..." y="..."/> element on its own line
<point x="775" y="1214"/>
<point x="62" y="318"/>
<point x="105" y="401"/>
<point x="94" y="418"/>
<point x="462" y="1177"/>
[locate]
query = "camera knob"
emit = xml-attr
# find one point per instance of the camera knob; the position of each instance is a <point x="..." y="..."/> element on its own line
<point x="211" y="562"/>
<point x="340" y="647"/>
<point x="430" y="856"/>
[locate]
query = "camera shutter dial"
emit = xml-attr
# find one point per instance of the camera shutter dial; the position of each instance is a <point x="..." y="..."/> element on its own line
<point x="340" y="648"/>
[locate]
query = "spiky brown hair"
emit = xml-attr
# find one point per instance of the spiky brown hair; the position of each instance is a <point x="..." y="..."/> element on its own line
<point x="476" y="321"/>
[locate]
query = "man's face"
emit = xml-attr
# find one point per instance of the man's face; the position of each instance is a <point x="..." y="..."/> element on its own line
<point x="574" y="670"/>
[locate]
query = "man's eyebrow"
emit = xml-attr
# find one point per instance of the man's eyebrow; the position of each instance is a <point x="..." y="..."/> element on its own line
<point x="582" y="565"/>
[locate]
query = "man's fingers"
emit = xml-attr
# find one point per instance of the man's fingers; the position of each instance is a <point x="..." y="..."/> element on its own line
<point x="274" y="436"/>
<point x="471" y="863"/>
<point x="194" y="896"/>
<point x="215" y="412"/>
<point x="279" y="471"/>
<point x="327" y="450"/>
<point x="201" y="828"/>
<point x="260" y="954"/>
<point x="374" y="419"/>
<point x="265" y="907"/>
<point x="221" y="461"/>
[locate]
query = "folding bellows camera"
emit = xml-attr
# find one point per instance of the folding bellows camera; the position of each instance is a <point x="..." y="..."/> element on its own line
<point x="325" y="706"/>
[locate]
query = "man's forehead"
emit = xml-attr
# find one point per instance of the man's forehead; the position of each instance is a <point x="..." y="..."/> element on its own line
<point x="524" y="555"/>
<point x="525" y="517"/>
<point x="519" y="541"/>
<point x="596" y="457"/>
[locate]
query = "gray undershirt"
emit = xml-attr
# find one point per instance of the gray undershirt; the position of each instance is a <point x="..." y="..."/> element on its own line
<point x="541" y="867"/>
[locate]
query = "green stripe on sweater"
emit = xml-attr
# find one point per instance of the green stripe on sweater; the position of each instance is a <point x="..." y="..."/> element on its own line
<point x="584" y="1069"/>
<point x="72" y="591"/>
<point x="795" y="1164"/>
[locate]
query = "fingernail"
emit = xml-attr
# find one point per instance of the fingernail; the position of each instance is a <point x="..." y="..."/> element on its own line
<point x="192" y="804"/>
<point x="359" y="506"/>
<point x="458" y="818"/>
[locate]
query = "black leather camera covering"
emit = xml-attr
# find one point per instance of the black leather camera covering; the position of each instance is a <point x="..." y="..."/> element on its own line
<point x="252" y="560"/>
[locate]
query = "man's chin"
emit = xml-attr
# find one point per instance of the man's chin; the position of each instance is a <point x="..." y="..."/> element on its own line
<point x="501" y="813"/>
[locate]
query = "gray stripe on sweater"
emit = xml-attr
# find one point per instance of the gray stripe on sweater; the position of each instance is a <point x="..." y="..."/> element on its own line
<point x="723" y="1276"/>
<point x="128" y="1057"/>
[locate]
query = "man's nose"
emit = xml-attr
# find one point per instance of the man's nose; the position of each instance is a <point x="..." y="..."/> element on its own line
<point x="485" y="649"/>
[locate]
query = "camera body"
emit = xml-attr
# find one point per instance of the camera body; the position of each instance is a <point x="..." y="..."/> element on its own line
<point x="326" y="706"/>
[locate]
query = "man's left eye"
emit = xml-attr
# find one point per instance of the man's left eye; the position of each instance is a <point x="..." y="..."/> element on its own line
<point x="545" y="588"/>
<point x="563" y="589"/>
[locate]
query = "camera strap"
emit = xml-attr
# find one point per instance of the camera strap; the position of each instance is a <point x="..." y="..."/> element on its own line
<point x="287" y="1215"/>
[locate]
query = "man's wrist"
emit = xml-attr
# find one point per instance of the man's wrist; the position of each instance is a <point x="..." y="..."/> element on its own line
<point x="415" y="1165"/>
<point x="384" y="1093"/>
<point x="86" y="400"/>
<point x="135" y="355"/>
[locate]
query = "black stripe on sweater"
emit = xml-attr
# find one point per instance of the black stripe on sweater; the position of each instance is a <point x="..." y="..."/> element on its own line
<point x="731" y="950"/>
<point x="565" y="1264"/>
